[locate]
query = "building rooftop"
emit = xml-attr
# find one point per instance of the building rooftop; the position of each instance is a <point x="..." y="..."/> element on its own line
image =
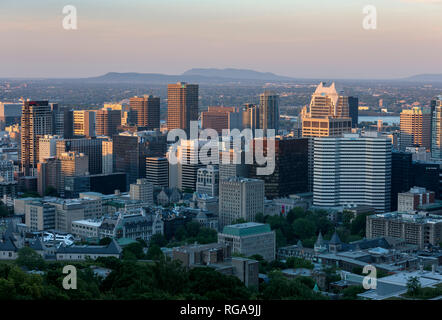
<point x="246" y="229"/>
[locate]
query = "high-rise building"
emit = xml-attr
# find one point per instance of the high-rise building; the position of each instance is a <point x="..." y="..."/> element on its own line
<point x="10" y="113"/>
<point x="189" y="160"/>
<point x="84" y="123"/>
<point x="72" y="164"/>
<point x="131" y="149"/>
<point x="353" y="111"/>
<point x="182" y="105"/>
<point x="208" y="181"/>
<point x="47" y="147"/>
<point x="290" y="175"/>
<point x="91" y="147"/>
<point x="107" y="156"/>
<point x="352" y="170"/>
<point x="240" y="198"/>
<point x="436" y="143"/>
<point x="251" y="116"/>
<point x="6" y="171"/>
<point x="36" y="121"/>
<point x="157" y="171"/>
<point x="142" y="191"/>
<point x="328" y="113"/>
<point x="49" y="175"/>
<point x="219" y="118"/>
<point x="401" y="175"/>
<point x="63" y="121"/>
<point x="233" y="168"/>
<point x="147" y="111"/>
<point x="415" y="128"/>
<point x="107" y="122"/>
<point x="269" y="111"/>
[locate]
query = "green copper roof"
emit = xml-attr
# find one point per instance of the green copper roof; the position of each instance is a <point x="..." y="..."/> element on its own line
<point x="246" y="229"/>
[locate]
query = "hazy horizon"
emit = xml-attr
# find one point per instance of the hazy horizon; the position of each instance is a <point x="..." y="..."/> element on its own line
<point x="299" y="39"/>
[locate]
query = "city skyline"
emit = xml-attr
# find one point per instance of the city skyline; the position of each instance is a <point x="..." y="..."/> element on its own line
<point x="290" y="38"/>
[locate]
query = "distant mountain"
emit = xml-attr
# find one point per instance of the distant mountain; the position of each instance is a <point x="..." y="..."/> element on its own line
<point x="425" y="77"/>
<point x="193" y="75"/>
<point x="231" y="73"/>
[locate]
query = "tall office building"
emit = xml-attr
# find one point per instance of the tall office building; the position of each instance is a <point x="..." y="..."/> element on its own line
<point x="436" y="143"/>
<point x="131" y="149"/>
<point x="290" y="175"/>
<point x="189" y="161"/>
<point x="328" y="113"/>
<point x="230" y="168"/>
<point x="415" y="128"/>
<point x="401" y="175"/>
<point x="91" y="147"/>
<point x="251" y="116"/>
<point x="10" y="113"/>
<point x="219" y="118"/>
<point x="269" y="111"/>
<point x="157" y="171"/>
<point x="353" y="111"/>
<point x="47" y="146"/>
<point x="71" y="164"/>
<point x="84" y="123"/>
<point x="182" y="105"/>
<point x="142" y="191"/>
<point x="63" y="121"/>
<point x="36" y="121"/>
<point x="107" y="122"/>
<point x="240" y="198"/>
<point x="208" y="181"/>
<point x="147" y="111"/>
<point x="48" y="175"/>
<point x="352" y="170"/>
<point x="107" y="156"/>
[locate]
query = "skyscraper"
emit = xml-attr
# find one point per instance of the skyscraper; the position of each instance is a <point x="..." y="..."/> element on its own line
<point x="157" y="171"/>
<point x="147" y="111"/>
<point x="352" y="170"/>
<point x="182" y="105"/>
<point x="436" y="143"/>
<point x="36" y="121"/>
<point x="84" y="123"/>
<point x="415" y="128"/>
<point x="91" y="147"/>
<point x="328" y="113"/>
<point x="291" y="168"/>
<point x="107" y="122"/>
<point x="240" y="198"/>
<point x="269" y="111"/>
<point x="353" y="110"/>
<point x="219" y="118"/>
<point x="251" y="116"/>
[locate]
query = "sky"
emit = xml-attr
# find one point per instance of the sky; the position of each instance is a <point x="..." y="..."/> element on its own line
<point x="297" y="38"/>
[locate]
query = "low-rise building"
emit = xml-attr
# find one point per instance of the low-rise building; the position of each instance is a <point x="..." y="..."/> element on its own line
<point x="249" y="239"/>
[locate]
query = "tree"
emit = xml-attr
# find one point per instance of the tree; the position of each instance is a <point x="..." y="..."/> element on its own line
<point x="105" y="241"/>
<point x="154" y="252"/>
<point x="304" y="228"/>
<point x="51" y="192"/>
<point x="30" y="259"/>
<point x="238" y="221"/>
<point x="4" y="212"/>
<point x="133" y="250"/>
<point x="159" y="240"/>
<point x="192" y="228"/>
<point x="413" y="286"/>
